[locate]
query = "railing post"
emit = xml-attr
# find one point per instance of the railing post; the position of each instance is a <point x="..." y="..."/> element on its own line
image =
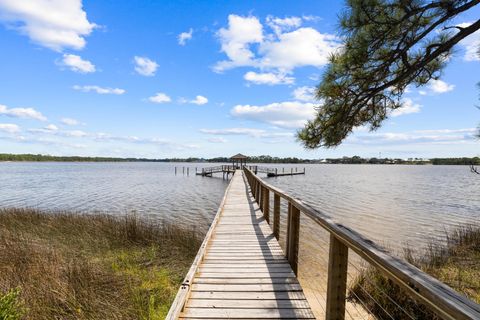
<point x="337" y="279"/>
<point x="260" y="200"/>
<point x="293" y="235"/>
<point x="276" y="215"/>
<point x="257" y="190"/>
<point x="266" y="204"/>
<point x="252" y="185"/>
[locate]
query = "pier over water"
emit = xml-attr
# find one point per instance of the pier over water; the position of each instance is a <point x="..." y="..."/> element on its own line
<point x="241" y="272"/>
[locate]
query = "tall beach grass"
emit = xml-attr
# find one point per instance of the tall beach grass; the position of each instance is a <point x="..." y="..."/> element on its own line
<point x="61" y="265"/>
<point x="455" y="262"/>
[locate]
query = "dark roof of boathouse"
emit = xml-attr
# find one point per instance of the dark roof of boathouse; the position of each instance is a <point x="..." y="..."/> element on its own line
<point x="239" y="156"/>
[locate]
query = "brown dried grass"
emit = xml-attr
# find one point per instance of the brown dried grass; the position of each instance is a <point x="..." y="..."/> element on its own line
<point x="77" y="266"/>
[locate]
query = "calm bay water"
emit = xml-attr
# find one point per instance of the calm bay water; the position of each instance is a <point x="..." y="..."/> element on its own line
<point x="393" y="205"/>
<point x="149" y="189"/>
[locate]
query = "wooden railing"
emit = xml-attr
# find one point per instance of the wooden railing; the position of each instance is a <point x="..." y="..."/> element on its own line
<point x="266" y="170"/>
<point x="260" y="169"/>
<point x="274" y="172"/>
<point x="438" y="297"/>
<point x="216" y="169"/>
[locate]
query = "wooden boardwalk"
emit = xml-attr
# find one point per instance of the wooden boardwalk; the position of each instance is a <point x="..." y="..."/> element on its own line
<point x="240" y="271"/>
<point x="244" y="273"/>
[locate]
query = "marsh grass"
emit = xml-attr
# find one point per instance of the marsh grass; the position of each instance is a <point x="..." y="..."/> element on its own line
<point x="455" y="262"/>
<point x="61" y="265"/>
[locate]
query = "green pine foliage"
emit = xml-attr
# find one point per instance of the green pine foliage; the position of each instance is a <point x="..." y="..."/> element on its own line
<point x="387" y="45"/>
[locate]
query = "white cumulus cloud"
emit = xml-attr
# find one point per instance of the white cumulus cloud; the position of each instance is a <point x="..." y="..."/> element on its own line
<point x="408" y="107"/>
<point x="235" y="132"/>
<point x="184" y="37"/>
<point x="236" y="40"/>
<point x="289" y="114"/>
<point x="75" y="133"/>
<point x="77" y="64"/>
<point x="301" y="47"/>
<point x="51" y="127"/>
<point x="439" y="86"/>
<point x="9" y="128"/>
<point x="99" y="90"/>
<point x="217" y="140"/>
<point x="160" y="97"/>
<point x="471" y="44"/>
<point x="268" y="78"/>
<point x="251" y="132"/>
<point x="145" y="66"/>
<point x="26" y="113"/>
<point x="421" y="137"/>
<point x="199" y="100"/>
<point x="55" y="24"/>
<point x="280" y="25"/>
<point x="289" y="46"/>
<point x="304" y="93"/>
<point x="70" y="121"/>
<point x="435" y="87"/>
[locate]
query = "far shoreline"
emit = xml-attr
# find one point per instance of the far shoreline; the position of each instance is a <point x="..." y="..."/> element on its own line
<point x="264" y="159"/>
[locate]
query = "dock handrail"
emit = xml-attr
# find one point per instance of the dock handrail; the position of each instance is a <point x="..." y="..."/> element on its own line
<point x="266" y="170"/>
<point x="437" y="296"/>
<point x="222" y="168"/>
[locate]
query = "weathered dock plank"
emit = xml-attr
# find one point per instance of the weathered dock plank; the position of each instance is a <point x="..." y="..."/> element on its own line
<point x="243" y="273"/>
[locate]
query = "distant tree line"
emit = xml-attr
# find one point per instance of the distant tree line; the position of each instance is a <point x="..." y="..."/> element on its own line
<point x="456" y="161"/>
<point x="419" y="161"/>
<point x="40" y="157"/>
<point x="264" y="159"/>
<point x="360" y="160"/>
<point x="253" y="159"/>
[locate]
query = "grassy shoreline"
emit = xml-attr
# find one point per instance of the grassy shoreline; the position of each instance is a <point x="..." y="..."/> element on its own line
<point x="75" y="266"/>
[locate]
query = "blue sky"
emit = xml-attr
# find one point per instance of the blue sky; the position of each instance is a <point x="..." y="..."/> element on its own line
<point x="188" y="78"/>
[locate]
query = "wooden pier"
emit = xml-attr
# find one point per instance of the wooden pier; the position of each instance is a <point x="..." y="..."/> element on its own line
<point x="276" y="172"/>
<point x="239" y="161"/>
<point x="227" y="170"/>
<point x="241" y="272"/>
